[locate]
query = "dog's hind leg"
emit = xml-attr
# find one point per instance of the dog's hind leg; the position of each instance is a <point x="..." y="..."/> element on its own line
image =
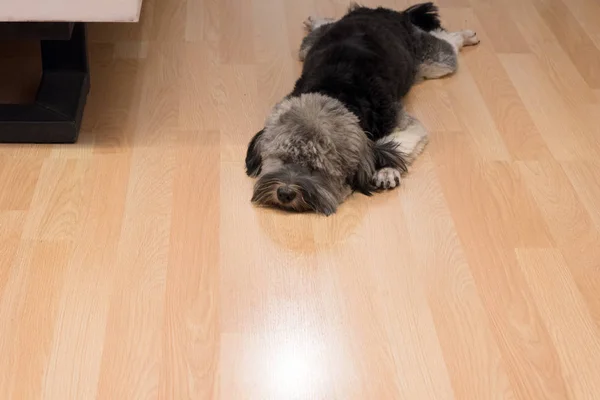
<point x="313" y="23"/>
<point x="457" y="40"/>
<point x="438" y="58"/>
<point x="409" y="138"/>
<point x="315" y="27"/>
<point x="440" y="49"/>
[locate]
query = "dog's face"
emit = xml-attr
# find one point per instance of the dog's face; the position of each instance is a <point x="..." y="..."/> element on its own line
<point x="295" y="187"/>
<point x="310" y="156"/>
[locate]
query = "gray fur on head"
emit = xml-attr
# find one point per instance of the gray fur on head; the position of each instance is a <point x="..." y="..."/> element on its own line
<point x="310" y="156"/>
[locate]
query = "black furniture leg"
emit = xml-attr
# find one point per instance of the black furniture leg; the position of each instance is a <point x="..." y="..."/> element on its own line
<point x="56" y="115"/>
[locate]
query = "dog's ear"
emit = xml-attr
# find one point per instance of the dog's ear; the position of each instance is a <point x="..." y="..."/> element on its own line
<point x="253" y="158"/>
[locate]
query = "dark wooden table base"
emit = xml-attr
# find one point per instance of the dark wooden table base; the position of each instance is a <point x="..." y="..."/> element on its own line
<point x="55" y="116"/>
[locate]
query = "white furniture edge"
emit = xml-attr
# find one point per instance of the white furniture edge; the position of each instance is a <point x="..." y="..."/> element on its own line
<point x="70" y="10"/>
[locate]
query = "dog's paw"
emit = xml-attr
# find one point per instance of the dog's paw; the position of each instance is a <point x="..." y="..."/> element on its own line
<point x="387" y="178"/>
<point x="308" y="26"/>
<point x="312" y="23"/>
<point x="470" y="37"/>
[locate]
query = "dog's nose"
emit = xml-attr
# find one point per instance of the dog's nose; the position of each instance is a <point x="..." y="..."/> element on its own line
<point x="285" y="194"/>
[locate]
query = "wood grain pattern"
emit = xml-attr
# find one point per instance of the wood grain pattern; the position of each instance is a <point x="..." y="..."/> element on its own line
<point x="133" y="266"/>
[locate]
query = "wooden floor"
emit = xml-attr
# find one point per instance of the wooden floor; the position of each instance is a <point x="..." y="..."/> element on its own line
<point x="133" y="266"/>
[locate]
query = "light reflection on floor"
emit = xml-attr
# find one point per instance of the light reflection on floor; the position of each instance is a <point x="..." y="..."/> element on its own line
<point x="298" y="368"/>
<point x="290" y="359"/>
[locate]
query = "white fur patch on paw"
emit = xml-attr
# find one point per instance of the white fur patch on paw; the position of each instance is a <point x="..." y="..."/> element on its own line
<point x="418" y="149"/>
<point x="470" y="37"/>
<point x="387" y="178"/>
<point x="312" y="23"/>
<point x="412" y="140"/>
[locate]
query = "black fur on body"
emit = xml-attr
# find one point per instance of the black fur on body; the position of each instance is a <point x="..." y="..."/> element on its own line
<point x="369" y="60"/>
<point x="320" y="142"/>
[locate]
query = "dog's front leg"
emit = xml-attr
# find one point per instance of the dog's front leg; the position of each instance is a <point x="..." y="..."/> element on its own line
<point x="410" y="138"/>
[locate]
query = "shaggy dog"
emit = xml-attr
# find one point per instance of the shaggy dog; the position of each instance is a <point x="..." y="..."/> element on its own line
<point x="343" y="128"/>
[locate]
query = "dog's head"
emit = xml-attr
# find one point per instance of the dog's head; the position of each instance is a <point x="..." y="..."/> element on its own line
<point x="310" y="156"/>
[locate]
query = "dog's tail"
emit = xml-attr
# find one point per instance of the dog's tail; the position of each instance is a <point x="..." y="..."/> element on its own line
<point x="387" y="154"/>
<point x="425" y="16"/>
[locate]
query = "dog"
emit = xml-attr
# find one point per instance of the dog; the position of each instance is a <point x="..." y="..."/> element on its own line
<point x="343" y="128"/>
